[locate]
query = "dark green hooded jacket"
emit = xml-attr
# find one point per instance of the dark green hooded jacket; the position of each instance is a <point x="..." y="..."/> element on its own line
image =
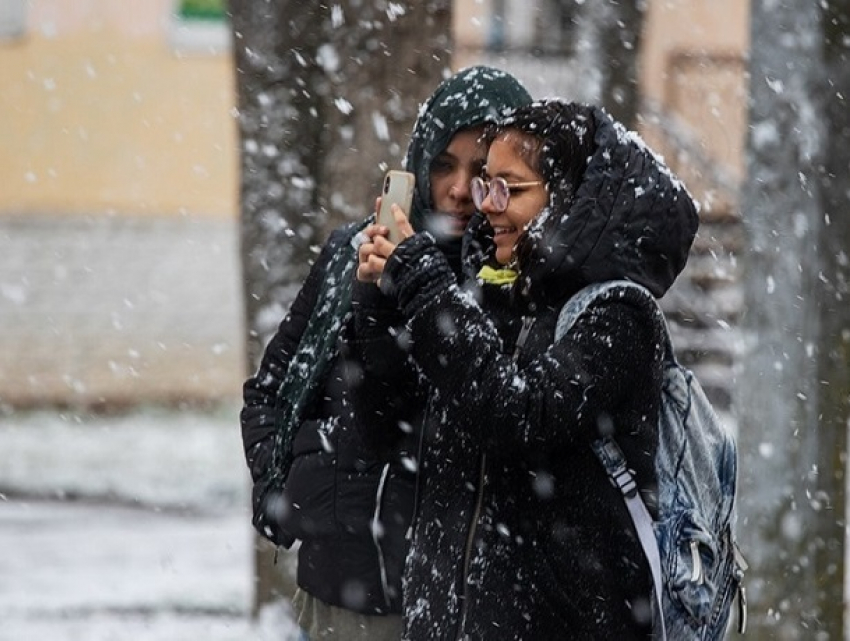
<point x="314" y="478"/>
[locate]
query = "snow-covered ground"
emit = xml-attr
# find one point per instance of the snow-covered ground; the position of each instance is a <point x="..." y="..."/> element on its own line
<point x="131" y="527"/>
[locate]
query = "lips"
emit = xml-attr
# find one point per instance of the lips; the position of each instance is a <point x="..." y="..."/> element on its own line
<point x="502" y="231"/>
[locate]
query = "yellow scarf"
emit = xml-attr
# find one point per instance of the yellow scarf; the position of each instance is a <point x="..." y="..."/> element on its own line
<point x="502" y="276"/>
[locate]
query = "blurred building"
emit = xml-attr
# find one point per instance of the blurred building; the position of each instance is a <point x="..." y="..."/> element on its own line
<point x="118" y="204"/>
<point x="119" y="270"/>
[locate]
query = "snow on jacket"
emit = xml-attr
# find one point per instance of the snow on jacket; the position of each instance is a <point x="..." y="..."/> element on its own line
<point x="519" y="534"/>
<point x="336" y="485"/>
<point x="349" y="504"/>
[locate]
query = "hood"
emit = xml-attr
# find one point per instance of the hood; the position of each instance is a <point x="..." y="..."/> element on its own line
<point x="630" y="218"/>
<point x="472" y="97"/>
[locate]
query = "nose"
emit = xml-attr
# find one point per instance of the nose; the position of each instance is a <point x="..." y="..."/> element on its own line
<point x="460" y="187"/>
<point x="487" y="207"/>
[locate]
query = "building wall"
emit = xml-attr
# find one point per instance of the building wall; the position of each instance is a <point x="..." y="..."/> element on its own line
<point x="113" y="311"/>
<point x="101" y="114"/>
<point x="119" y="272"/>
<point x="693" y="63"/>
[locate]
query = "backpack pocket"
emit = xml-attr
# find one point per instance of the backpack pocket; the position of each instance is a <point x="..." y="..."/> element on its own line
<point x="689" y="555"/>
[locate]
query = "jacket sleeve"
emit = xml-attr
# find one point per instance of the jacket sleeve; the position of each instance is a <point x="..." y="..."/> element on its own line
<point x="260" y="393"/>
<point x="564" y="397"/>
<point x="389" y="398"/>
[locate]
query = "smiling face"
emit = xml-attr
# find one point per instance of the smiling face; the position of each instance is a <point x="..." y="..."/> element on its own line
<point x="451" y="173"/>
<point x="509" y="157"/>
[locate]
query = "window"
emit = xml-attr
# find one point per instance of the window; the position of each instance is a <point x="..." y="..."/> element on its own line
<point x="13" y="18"/>
<point x="199" y="27"/>
<point x="556" y="26"/>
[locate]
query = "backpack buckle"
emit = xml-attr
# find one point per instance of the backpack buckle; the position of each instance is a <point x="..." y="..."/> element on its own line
<point x="623" y="479"/>
<point x="614" y="462"/>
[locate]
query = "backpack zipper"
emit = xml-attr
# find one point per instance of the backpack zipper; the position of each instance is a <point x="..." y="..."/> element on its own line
<point x="697" y="574"/>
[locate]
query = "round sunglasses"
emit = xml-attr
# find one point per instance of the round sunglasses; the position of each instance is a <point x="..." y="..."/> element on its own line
<point x="498" y="189"/>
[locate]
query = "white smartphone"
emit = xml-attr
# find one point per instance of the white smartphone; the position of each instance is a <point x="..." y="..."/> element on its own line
<point x="398" y="189"/>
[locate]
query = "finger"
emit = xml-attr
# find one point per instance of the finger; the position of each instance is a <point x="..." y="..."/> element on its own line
<point x="372" y="269"/>
<point x="376" y="230"/>
<point x="364" y="274"/>
<point x="364" y="251"/>
<point x="402" y="222"/>
<point x="383" y="247"/>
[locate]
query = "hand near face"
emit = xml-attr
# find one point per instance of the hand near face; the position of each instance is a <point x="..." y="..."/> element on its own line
<point x="373" y="253"/>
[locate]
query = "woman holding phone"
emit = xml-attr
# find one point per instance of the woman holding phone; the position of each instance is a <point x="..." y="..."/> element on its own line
<point x="519" y="534"/>
<point x="314" y="479"/>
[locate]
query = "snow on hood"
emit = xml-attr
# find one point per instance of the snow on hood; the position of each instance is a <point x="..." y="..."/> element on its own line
<point x="630" y="218"/>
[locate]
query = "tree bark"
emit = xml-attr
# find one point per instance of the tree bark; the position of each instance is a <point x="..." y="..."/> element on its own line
<point x="620" y="39"/>
<point x="793" y="391"/>
<point x="617" y="27"/>
<point x="327" y="96"/>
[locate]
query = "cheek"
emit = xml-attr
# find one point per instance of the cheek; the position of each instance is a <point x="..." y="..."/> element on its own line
<point x="525" y="216"/>
<point x="440" y="187"/>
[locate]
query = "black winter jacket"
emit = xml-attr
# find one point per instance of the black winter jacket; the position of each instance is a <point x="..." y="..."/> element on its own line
<point x="519" y="534"/>
<point x="350" y="510"/>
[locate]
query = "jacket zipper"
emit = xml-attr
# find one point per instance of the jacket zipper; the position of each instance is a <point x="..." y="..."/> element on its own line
<point x="420" y="449"/>
<point x="525" y="330"/>
<point x="470" y="538"/>
<point x="376" y="535"/>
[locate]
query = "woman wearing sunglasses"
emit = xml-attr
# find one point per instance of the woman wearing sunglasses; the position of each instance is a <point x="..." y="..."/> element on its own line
<point x="519" y="534"/>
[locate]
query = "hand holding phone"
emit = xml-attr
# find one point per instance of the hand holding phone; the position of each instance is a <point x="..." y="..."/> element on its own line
<point x="398" y="190"/>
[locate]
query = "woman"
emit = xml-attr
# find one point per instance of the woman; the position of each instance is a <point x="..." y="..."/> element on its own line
<point x="314" y="478"/>
<point x="519" y="534"/>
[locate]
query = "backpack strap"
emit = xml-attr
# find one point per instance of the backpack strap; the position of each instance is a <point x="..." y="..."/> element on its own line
<point x="579" y="302"/>
<point x="614" y="462"/>
<point x="608" y="451"/>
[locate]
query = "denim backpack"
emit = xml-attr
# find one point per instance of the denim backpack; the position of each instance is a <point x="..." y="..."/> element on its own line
<point x="697" y="569"/>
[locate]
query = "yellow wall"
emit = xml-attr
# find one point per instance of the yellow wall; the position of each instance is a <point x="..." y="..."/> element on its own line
<point x="675" y="26"/>
<point x="99" y="115"/>
<point x="693" y="65"/>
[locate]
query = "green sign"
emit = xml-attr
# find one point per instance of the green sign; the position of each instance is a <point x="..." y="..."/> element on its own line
<point x="202" y="9"/>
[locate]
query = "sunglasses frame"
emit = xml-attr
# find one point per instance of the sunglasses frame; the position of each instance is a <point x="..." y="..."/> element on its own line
<point x="496" y="189"/>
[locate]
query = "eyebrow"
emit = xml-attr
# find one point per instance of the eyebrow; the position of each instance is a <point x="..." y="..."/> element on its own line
<point x="507" y="175"/>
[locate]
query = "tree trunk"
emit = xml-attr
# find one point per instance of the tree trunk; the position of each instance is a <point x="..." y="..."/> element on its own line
<point x="793" y="403"/>
<point x="620" y="40"/>
<point x="327" y="96"/>
<point x="617" y="27"/>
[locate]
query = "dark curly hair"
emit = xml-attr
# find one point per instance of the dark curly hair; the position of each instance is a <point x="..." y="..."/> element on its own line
<point x="564" y="134"/>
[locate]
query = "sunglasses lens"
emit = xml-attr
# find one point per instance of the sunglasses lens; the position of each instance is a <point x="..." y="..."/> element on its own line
<point x="499" y="193"/>
<point x="497" y="189"/>
<point x="479" y="192"/>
